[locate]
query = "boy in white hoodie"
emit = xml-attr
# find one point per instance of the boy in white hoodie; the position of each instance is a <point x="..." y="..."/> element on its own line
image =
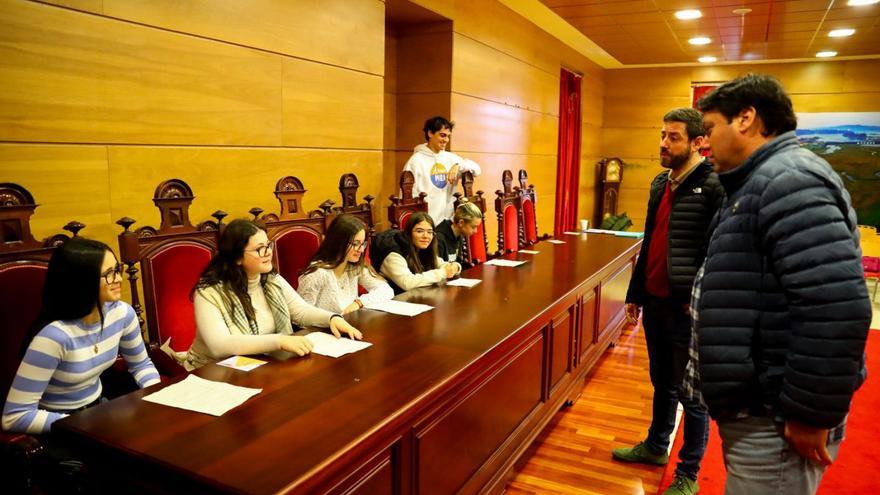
<point x="436" y="170"/>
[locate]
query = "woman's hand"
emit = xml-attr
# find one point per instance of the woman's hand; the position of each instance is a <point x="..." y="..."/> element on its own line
<point x="351" y="307"/>
<point x="296" y="344"/>
<point x="338" y="326"/>
<point x="450" y="269"/>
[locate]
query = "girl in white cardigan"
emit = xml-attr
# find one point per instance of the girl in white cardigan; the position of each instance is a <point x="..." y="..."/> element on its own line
<point x="242" y="306"/>
<point x="331" y="280"/>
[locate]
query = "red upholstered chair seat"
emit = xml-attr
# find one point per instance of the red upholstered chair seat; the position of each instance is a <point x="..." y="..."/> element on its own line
<point x="169" y="276"/>
<point x="21" y="294"/>
<point x="293" y="250"/>
<point x="511" y="229"/>
<point x="477" y="245"/>
<point x="531" y="227"/>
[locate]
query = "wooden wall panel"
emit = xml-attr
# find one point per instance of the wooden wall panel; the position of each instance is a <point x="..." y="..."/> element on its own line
<point x="217" y="176"/>
<point x="68" y="182"/>
<point x="638" y="111"/>
<point x="482" y="71"/>
<point x="74" y="77"/>
<point x="486" y="126"/>
<point x="424" y="60"/>
<point x="95" y="6"/>
<point x="412" y="110"/>
<point x="325" y="106"/>
<point x="337" y="32"/>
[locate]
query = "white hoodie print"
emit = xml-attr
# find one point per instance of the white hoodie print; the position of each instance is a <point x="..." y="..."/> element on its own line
<point x="430" y="171"/>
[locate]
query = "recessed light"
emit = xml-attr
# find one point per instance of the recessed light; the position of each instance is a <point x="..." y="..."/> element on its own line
<point x="841" y="33"/>
<point x="856" y="3"/>
<point x="700" y="40"/>
<point x="708" y="59"/>
<point x="744" y="11"/>
<point x="826" y="54"/>
<point x="688" y="14"/>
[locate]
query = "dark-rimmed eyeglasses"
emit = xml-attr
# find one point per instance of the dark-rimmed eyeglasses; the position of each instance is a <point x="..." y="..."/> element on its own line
<point x="111" y="273"/>
<point x="263" y="251"/>
<point x="358" y="245"/>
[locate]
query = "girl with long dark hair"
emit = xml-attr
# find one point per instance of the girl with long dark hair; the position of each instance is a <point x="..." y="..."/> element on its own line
<point x="331" y="280"/>
<point x="242" y="305"/>
<point x="408" y="258"/>
<point x="83" y="326"/>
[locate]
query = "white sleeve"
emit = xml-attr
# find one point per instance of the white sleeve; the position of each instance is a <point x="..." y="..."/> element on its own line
<point x="466" y="165"/>
<point x="395" y="268"/>
<point x="219" y="341"/>
<point x="301" y="312"/>
<point x="310" y="287"/>
<point x="378" y="290"/>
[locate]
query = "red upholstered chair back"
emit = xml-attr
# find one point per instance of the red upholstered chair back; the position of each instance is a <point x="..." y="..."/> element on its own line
<point x="21" y="293"/>
<point x="508" y="207"/>
<point x="530" y="227"/>
<point x="297" y="233"/>
<point x="477" y="245"/>
<point x="405" y="205"/>
<point x="171" y="259"/>
<point x="294" y="249"/>
<point x="169" y="273"/>
<point x="476" y="250"/>
<point x="511" y="229"/>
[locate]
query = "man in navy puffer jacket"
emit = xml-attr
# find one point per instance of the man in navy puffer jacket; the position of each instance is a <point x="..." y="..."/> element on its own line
<point x="782" y="310"/>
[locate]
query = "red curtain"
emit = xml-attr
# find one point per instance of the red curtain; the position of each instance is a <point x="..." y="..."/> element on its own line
<point x="568" y="155"/>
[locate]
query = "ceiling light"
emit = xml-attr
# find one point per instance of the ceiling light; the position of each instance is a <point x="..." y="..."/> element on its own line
<point x="688" y="14"/>
<point x="841" y="33"/>
<point x="708" y="59"/>
<point x="700" y="40"/>
<point x="856" y="3"/>
<point x="826" y="54"/>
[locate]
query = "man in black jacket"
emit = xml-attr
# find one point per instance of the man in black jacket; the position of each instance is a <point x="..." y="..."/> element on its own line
<point x="781" y="307"/>
<point x="682" y="202"/>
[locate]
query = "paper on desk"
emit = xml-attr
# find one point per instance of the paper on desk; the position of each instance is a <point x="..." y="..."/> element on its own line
<point x="528" y="251"/>
<point x="555" y="241"/>
<point x="400" y="307"/>
<point x="464" y="282"/>
<point x="500" y="262"/>
<point x="328" y="345"/>
<point x="635" y="235"/>
<point x="242" y="363"/>
<point x="573" y="233"/>
<point x="204" y="396"/>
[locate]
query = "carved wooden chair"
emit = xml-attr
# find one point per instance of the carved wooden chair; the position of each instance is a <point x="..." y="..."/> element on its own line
<point x="527" y="201"/>
<point x="297" y="234"/>
<point x="348" y="186"/>
<point x="171" y="259"/>
<point x="510" y="224"/>
<point x="476" y="249"/>
<point x="405" y="205"/>
<point x="23" y="265"/>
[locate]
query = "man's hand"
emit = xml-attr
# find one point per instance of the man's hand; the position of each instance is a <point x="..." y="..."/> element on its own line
<point x="632" y="313"/>
<point x="452" y="176"/>
<point x="808" y="441"/>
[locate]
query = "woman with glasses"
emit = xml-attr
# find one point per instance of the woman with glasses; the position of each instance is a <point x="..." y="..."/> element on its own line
<point x="242" y="305"/>
<point x="408" y="257"/>
<point x="331" y="280"/>
<point x="82" y="327"/>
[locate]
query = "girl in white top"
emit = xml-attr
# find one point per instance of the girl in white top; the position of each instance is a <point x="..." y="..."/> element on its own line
<point x="408" y="258"/>
<point x="242" y="306"/>
<point x="331" y="280"/>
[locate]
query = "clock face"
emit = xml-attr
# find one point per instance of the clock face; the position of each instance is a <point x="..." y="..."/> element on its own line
<point x="612" y="171"/>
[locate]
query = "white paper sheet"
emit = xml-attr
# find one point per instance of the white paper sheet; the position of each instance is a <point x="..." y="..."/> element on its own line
<point x="574" y="233"/>
<point x="499" y="262"/>
<point x="528" y="251"/>
<point x="204" y="396"/>
<point x="400" y="307"/>
<point x="242" y="363"/>
<point x="464" y="282"/>
<point x="328" y="345"/>
<point x="555" y="241"/>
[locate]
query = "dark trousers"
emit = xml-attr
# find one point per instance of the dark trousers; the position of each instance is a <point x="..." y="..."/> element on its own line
<point x="668" y="334"/>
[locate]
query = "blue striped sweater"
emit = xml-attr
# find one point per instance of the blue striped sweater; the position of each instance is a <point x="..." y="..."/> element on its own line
<point x="61" y="369"/>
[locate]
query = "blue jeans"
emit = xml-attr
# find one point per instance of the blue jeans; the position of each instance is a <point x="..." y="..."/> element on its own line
<point x="760" y="461"/>
<point x="668" y="334"/>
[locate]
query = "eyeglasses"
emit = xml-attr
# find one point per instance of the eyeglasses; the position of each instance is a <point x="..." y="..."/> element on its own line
<point x="429" y="233"/>
<point x="263" y="251"/>
<point x="358" y="245"/>
<point x="110" y="274"/>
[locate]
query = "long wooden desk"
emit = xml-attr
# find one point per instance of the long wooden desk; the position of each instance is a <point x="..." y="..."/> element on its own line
<point x="443" y="402"/>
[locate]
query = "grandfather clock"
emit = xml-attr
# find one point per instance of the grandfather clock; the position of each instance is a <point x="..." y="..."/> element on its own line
<point x="611" y="173"/>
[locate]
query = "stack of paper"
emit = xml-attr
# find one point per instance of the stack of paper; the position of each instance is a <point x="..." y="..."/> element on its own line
<point x="328" y="345"/>
<point x="464" y="282"/>
<point x="635" y="235"/>
<point x="555" y="241"/>
<point x="528" y="251"/>
<point x="242" y="363"/>
<point x="204" y="396"/>
<point x="400" y="307"/>
<point x="500" y="262"/>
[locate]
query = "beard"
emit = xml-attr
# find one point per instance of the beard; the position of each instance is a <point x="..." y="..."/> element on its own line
<point x="672" y="160"/>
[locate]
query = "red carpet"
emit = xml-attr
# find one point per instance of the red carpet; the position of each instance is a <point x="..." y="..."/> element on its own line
<point x="857" y="462"/>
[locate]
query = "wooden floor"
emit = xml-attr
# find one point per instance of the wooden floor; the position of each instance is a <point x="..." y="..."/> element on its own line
<point x="573" y="453"/>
